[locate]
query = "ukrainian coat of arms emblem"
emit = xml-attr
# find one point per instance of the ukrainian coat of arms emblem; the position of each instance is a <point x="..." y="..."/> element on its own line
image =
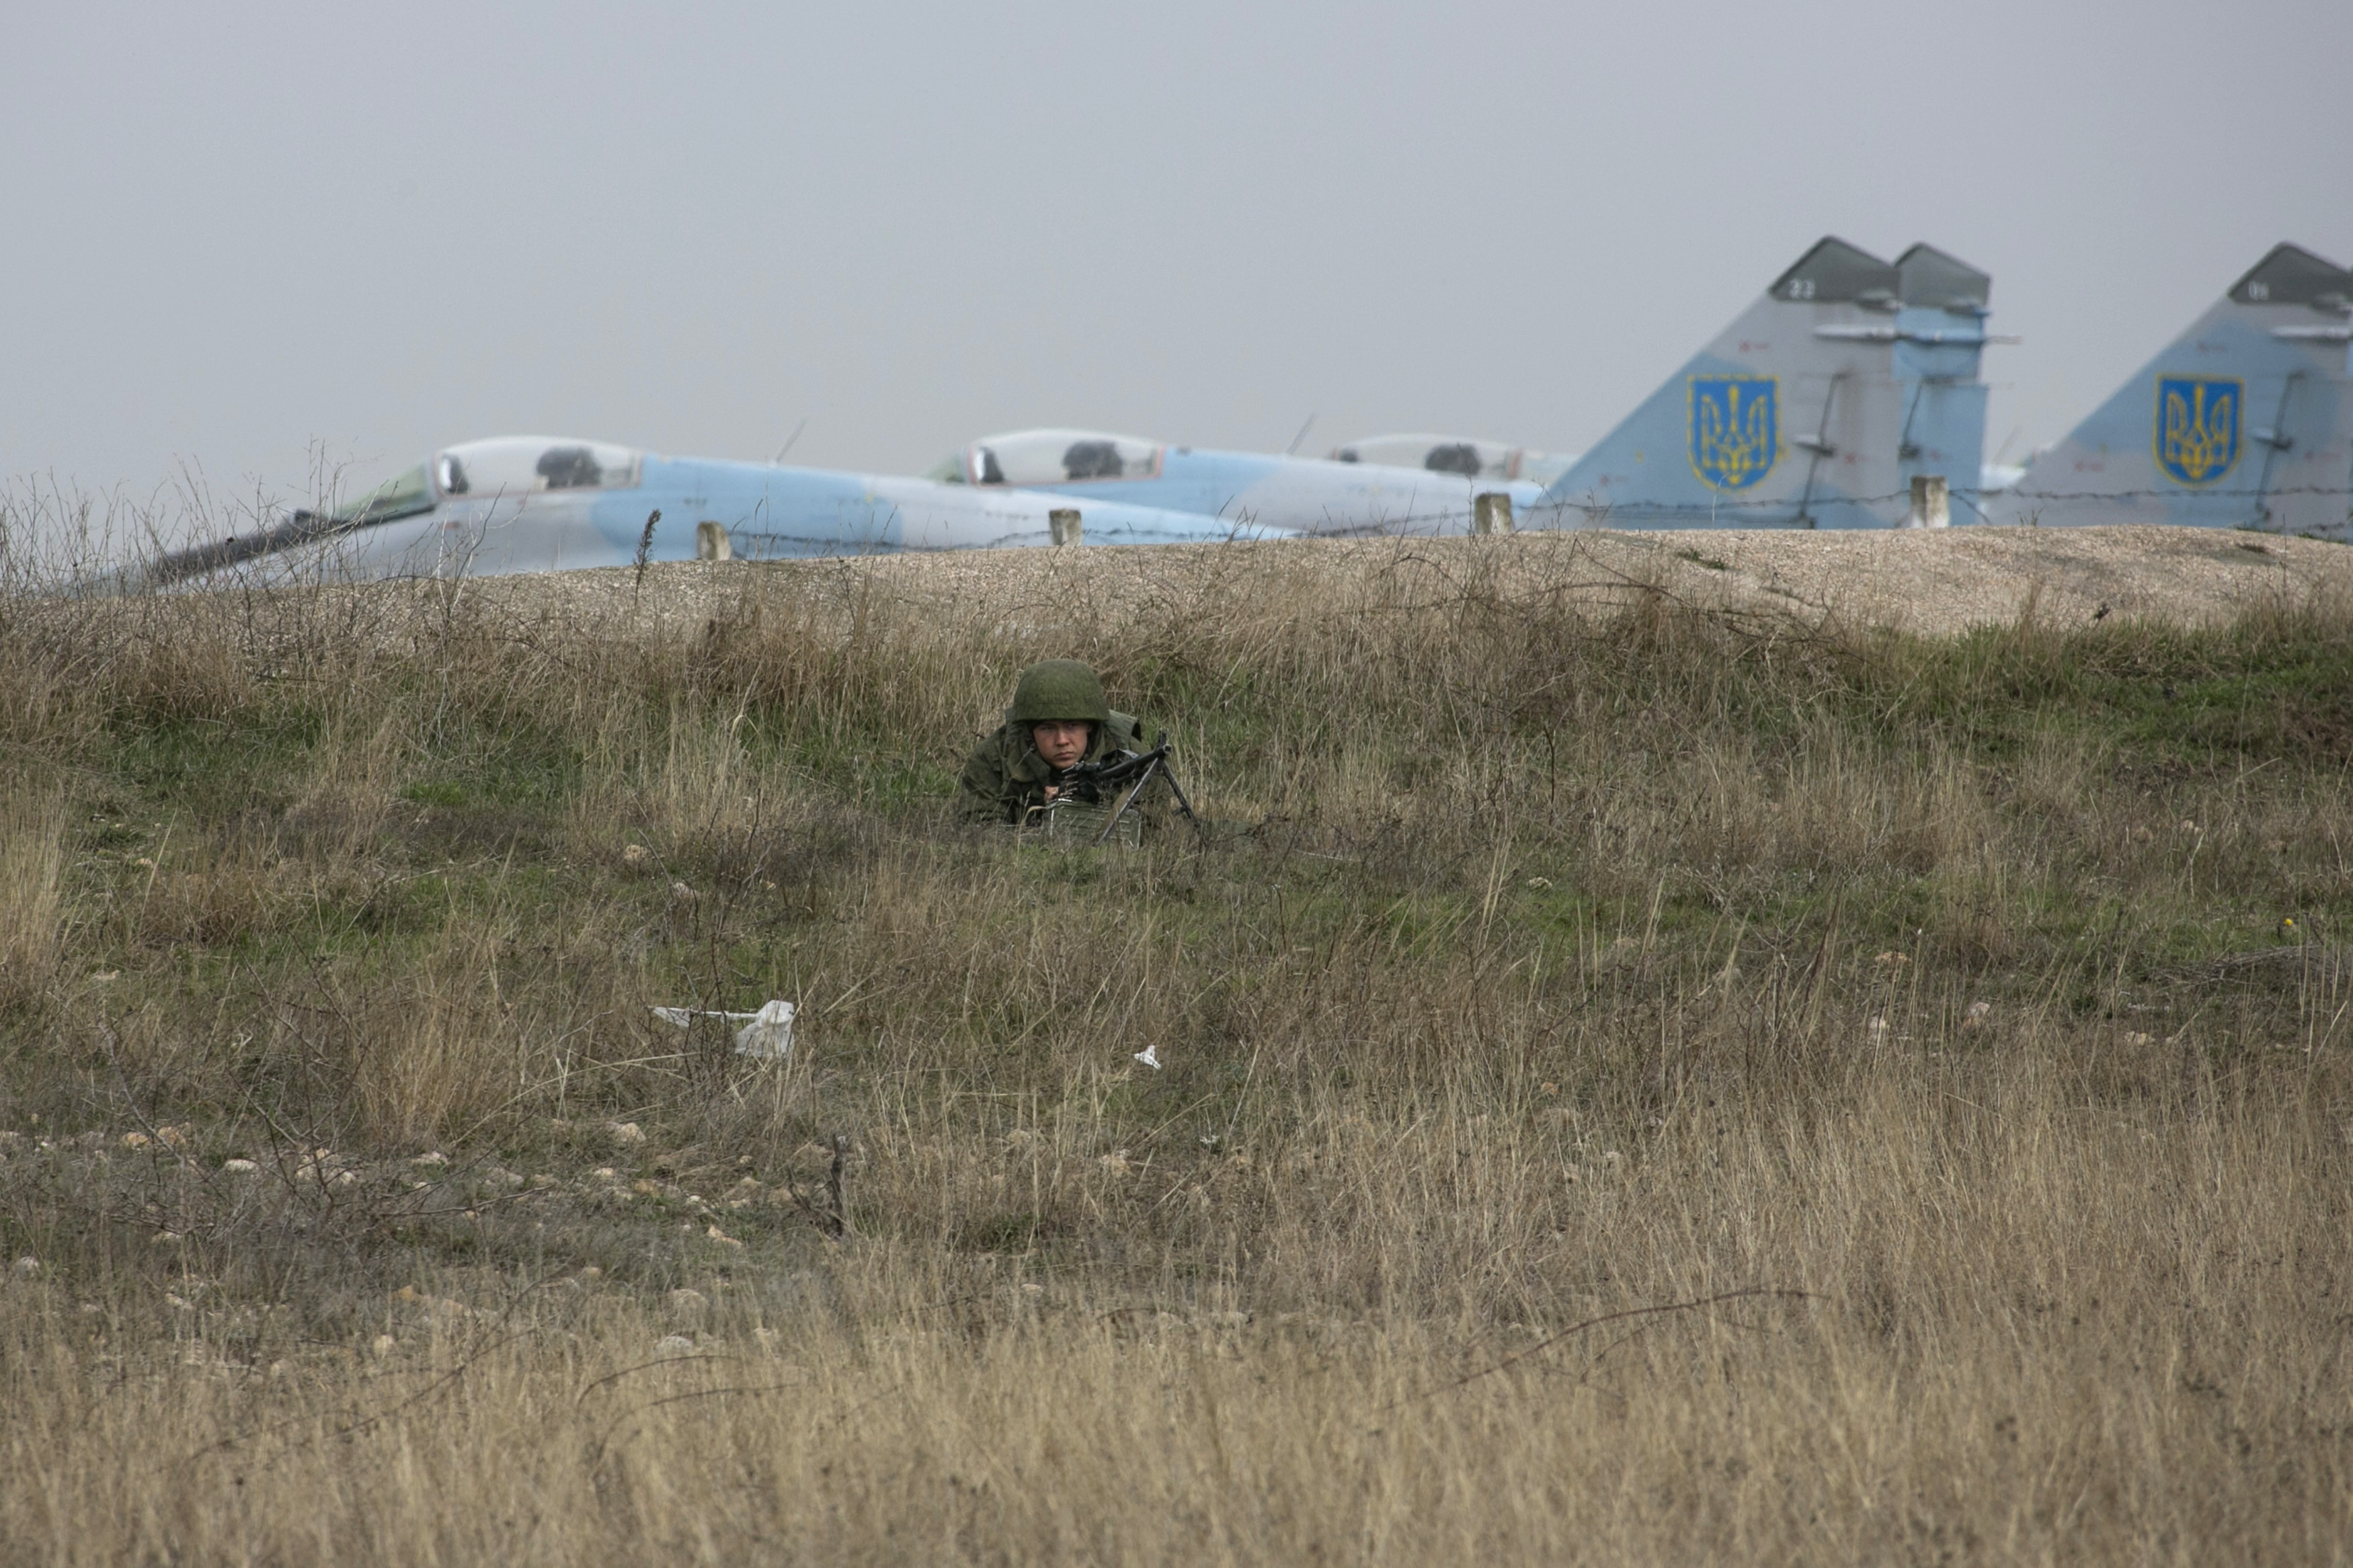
<point x="1735" y="428"/>
<point x="2196" y="427"/>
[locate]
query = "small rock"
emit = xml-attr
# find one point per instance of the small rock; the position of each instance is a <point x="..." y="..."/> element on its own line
<point x="635" y="856"/>
<point x="682" y="892"/>
<point x="688" y="1303"/>
<point x="624" y="1132"/>
<point x="434" y="1157"/>
<point x="166" y="1239"/>
<point x="239" y="1167"/>
<point x="28" y="1267"/>
<point x="383" y="1345"/>
<point x="674" y="1344"/>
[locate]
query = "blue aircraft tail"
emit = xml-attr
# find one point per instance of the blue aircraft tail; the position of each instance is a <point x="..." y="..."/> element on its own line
<point x="1813" y="409"/>
<point x="2244" y="421"/>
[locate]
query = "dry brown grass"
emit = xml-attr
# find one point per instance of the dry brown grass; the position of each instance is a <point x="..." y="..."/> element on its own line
<point x="1921" y="1010"/>
<point x="32" y="909"/>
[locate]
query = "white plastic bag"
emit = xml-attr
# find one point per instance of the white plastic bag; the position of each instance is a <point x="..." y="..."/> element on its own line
<point x="766" y="1035"/>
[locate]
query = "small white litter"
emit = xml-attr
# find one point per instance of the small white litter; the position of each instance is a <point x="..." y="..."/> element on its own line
<point x="766" y="1035"/>
<point x="1150" y="1055"/>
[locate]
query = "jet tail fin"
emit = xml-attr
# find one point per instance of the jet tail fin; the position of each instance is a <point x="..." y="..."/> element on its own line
<point x="2245" y="420"/>
<point x="1790" y="417"/>
<point x="1940" y="338"/>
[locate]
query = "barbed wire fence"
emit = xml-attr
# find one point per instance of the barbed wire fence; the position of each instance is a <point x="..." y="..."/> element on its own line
<point x="52" y="537"/>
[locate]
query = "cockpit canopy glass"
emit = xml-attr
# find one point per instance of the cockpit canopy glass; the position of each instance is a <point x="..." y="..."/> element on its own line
<point x="403" y="495"/>
<point x="523" y="465"/>
<point x="1439" y="454"/>
<point x="1059" y="457"/>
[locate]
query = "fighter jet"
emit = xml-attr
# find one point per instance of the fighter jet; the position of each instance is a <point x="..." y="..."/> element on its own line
<point x="2244" y="421"/>
<point x="1473" y="459"/>
<point x="1311" y="494"/>
<point x="1814" y="409"/>
<point x="536" y="504"/>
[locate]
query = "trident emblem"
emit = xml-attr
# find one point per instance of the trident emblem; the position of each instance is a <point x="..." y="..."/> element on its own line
<point x="2196" y="427"/>
<point x="1734" y="431"/>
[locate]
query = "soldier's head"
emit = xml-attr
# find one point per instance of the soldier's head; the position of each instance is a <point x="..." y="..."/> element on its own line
<point x="1061" y="702"/>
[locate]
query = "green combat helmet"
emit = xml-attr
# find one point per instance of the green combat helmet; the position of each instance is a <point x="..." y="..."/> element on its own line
<point x="1059" y="688"/>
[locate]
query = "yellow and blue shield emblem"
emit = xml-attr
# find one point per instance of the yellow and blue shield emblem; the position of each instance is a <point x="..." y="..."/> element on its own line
<point x="2196" y="427"/>
<point x="1735" y="428"/>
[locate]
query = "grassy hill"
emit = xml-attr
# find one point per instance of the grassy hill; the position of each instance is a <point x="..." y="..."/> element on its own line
<point x="1638" y="1078"/>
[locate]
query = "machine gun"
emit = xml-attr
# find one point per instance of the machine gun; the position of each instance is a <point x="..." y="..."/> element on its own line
<point x="1121" y="775"/>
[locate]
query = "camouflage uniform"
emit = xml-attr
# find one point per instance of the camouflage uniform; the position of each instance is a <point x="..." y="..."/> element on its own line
<point x="1005" y="777"/>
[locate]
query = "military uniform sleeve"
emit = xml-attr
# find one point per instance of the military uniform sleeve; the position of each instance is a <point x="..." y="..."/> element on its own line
<point x="984" y="792"/>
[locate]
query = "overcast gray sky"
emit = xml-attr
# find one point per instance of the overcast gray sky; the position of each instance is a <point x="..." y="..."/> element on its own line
<point x="239" y="233"/>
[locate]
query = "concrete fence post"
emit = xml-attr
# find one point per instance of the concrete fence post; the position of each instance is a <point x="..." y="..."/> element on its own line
<point x="1490" y="512"/>
<point x="711" y="542"/>
<point x="1932" y="502"/>
<point x="1064" y="524"/>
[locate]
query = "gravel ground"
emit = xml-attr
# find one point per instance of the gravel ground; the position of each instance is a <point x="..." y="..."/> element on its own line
<point x="1932" y="584"/>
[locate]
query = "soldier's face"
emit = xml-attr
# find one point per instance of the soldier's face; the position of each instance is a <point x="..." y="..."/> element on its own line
<point x="1062" y="742"/>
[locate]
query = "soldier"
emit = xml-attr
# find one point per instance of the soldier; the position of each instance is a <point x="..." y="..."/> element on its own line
<point x="1058" y="718"/>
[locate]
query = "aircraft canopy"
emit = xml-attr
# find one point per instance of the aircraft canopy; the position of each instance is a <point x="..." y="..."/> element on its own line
<point x="1460" y="455"/>
<point x="521" y="464"/>
<point x="1056" y="458"/>
<point x="403" y="495"/>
